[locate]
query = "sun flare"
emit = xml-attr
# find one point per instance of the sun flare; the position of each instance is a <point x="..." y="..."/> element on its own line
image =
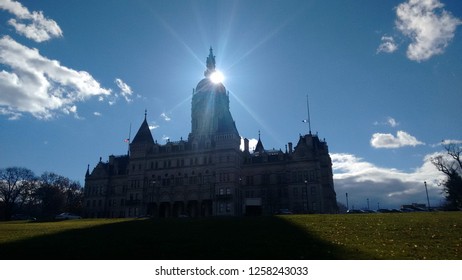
<point x="217" y="77"/>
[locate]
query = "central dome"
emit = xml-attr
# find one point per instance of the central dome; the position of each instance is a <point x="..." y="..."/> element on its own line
<point x="206" y="85"/>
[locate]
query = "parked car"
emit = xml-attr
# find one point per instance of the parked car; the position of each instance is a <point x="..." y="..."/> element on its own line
<point x="67" y="216"/>
<point x="355" y="211"/>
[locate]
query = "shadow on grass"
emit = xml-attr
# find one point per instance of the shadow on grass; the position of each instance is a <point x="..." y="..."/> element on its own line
<point x="213" y="238"/>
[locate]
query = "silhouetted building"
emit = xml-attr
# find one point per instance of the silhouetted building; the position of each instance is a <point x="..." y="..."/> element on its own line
<point x="208" y="174"/>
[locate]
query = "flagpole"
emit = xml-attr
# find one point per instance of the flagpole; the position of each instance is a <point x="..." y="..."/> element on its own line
<point x="308" y="111"/>
<point x="128" y="142"/>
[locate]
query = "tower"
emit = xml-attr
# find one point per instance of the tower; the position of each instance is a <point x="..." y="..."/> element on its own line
<point x="143" y="141"/>
<point x="210" y="115"/>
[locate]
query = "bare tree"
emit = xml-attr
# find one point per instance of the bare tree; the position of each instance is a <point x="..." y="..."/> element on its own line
<point x="57" y="193"/>
<point x="16" y="186"/>
<point x="451" y="165"/>
<point x="74" y="197"/>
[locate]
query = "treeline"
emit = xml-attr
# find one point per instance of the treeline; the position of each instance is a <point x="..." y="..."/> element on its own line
<point x="44" y="196"/>
<point x="450" y="164"/>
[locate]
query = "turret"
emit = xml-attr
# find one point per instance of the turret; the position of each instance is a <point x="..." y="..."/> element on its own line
<point x="210" y="115"/>
<point x="143" y="141"/>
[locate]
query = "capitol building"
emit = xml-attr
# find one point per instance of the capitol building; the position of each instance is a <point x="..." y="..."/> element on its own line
<point x="208" y="174"/>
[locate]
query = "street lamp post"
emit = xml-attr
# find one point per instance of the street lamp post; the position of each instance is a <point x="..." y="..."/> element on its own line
<point x="346" y="194"/>
<point x="307" y="200"/>
<point x="426" y="191"/>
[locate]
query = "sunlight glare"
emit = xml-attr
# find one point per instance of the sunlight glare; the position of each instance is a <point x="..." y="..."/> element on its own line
<point x="217" y="77"/>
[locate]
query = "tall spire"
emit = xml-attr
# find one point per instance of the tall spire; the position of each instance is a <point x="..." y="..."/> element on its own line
<point x="210" y="63"/>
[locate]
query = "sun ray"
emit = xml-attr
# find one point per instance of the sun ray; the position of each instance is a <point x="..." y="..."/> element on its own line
<point x="258" y="119"/>
<point x="269" y="36"/>
<point x="175" y="35"/>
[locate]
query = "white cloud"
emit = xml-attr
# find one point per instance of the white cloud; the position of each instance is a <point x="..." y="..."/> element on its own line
<point x="388" y="45"/>
<point x="165" y="117"/>
<point x="40" y="86"/>
<point x="33" y="25"/>
<point x="451" y="141"/>
<point x="389" y="122"/>
<point x="428" y="25"/>
<point x="125" y="90"/>
<point x="392" y="122"/>
<point x="387" y="186"/>
<point x="252" y="144"/>
<point x="12" y="114"/>
<point x="98" y="114"/>
<point x="389" y="141"/>
<point x="445" y="142"/>
<point x="153" y="126"/>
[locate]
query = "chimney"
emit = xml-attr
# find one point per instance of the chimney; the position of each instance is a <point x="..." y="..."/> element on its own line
<point x="246" y="145"/>
<point x="290" y="148"/>
<point x="111" y="159"/>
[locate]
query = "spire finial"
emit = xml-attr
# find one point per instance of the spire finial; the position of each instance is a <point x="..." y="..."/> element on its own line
<point x="210" y="63"/>
<point x="145" y="113"/>
<point x="259" y="134"/>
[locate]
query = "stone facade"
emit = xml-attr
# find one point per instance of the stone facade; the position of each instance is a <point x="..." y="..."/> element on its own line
<point x="208" y="174"/>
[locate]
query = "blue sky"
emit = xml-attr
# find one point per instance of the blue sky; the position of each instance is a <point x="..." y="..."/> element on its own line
<point x="383" y="79"/>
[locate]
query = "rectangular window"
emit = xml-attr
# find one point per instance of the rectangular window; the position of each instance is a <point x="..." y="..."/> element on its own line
<point x="313" y="190"/>
<point x="295" y="192"/>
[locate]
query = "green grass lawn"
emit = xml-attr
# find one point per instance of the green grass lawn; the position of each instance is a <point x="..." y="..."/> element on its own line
<point x="357" y="236"/>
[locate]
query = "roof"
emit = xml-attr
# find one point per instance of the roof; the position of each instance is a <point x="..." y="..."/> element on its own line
<point x="206" y="85"/>
<point x="144" y="134"/>
<point x="259" y="147"/>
